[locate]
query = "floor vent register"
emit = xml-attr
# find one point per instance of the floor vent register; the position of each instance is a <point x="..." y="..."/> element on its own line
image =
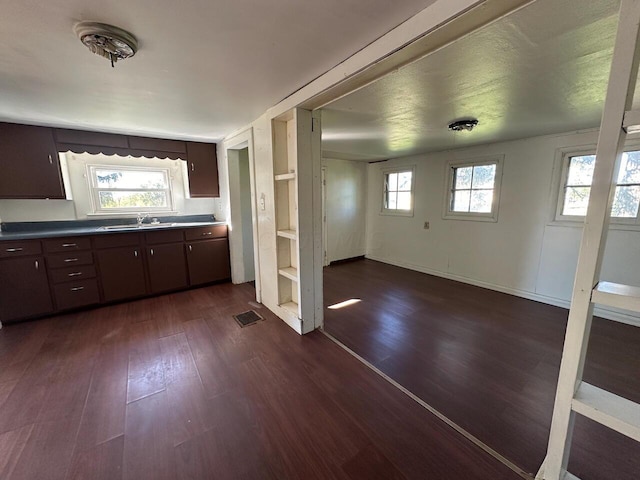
<point x="247" y="318"/>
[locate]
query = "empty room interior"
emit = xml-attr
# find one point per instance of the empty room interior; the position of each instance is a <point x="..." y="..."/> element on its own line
<point x="362" y="240"/>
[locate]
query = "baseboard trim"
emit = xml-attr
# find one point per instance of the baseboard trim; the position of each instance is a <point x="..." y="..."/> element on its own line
<point x="615" y="315"/>
<point x="346" y="260"/>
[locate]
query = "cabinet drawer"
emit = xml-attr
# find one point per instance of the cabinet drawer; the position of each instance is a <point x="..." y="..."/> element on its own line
<point x="70" y="259"/>
<point x="76" y="294"/>
<point x="67" y="244"/>
<point x="114" y="240"/>
<point x="166" y="236"/>
<point x="202" y="233"/>
<point x="20" y="248"/>
<point x="72" y="274"/>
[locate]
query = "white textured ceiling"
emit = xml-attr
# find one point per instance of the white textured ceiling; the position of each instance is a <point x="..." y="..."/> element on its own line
<point x="204" y="68"/>
<point x="541" y="70"/>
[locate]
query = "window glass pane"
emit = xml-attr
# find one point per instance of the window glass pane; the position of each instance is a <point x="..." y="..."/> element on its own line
<point x="462" y="177"/>
<point x="404" y="201"/>
<point x="392" y="181"/>
<point x="481" y="201"/>
<point x="124" y="199"/>
<point x="581" y="170"/>
<point x="128" y="179"/>
<point x="576" y="200"/>
<point x="483" y="177"/>
<point x="625" y="202"/>
<point x="404" y="181"/>
<point x="392" y="200"/>
<point x="461" y="200"/>
<point x="630" y="168"/>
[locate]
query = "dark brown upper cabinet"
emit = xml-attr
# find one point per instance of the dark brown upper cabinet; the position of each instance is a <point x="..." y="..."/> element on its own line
<point x="202" y="164"/>
<point x="29" y="163"/>
<point x="83" y="137"/>
<point x="157" y="144"/>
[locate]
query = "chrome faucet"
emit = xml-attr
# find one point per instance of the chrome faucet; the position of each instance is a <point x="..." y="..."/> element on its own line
<point x="141" y="217"/>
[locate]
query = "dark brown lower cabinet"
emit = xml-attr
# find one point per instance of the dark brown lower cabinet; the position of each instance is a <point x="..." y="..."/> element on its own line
<point x="208" y="261"/>
<point x="122" y="273"/>
<point x="24" y="288"/>
<point x="167" y="267"/>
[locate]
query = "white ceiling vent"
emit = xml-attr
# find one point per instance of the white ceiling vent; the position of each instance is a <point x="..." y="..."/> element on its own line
<point x="108" y="41"/>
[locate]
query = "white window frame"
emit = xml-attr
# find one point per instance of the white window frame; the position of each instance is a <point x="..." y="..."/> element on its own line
<point x="395" y="211"/>
<point x="94" y="190"/>
<point x="448" y="213"/>
<point x="563" y="156"/>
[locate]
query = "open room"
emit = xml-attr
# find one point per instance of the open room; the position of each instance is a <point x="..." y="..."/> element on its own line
<point x="282" y="239"/>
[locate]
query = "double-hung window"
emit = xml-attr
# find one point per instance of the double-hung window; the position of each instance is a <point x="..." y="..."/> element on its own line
<point x="577" y="177"/>
<point x="398" y="191"/>
<point x="119" y="189"/>
<point x="473" y="189"/>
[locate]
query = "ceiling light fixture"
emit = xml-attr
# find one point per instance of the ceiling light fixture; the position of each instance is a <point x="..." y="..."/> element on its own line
<point x="460" y="125"/>
<point x="108" y="41"/>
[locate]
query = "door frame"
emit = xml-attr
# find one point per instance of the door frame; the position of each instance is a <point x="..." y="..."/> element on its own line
<point x="238" y="142"/>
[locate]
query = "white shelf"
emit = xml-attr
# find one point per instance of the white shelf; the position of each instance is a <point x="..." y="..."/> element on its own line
<point x="285" y="176"/>
<point x="289" y="272"/>
<point x="291" y="306"/>
<point x="609" y="409"/>
<point x="617" y="295"/>
<point x="291" y="234"/>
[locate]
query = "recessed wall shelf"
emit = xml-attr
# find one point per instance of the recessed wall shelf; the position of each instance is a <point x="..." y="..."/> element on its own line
<point x="285" y="176"/>
<point x="290" y="234"/>
<point x="289" y="272"/>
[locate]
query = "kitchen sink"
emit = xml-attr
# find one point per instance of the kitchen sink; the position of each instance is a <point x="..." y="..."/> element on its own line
<point x="133" y="226"/>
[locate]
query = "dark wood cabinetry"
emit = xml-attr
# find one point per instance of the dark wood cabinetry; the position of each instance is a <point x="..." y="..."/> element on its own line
<point x="25" y="288"/>
<point x="208" y="261"/>
<point x="38" y="277"/>
<point x="202" y="163"/>
<point x="29" y="163"/>
<point x="121" y="272"/>
<point x="167" y="267"/>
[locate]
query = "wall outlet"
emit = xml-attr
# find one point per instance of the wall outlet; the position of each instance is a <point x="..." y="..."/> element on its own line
<point x="426" y="225"/>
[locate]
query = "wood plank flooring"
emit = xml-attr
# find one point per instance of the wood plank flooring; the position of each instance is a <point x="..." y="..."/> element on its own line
<point x="486" y="360"/>
<point x="172" y="388"/>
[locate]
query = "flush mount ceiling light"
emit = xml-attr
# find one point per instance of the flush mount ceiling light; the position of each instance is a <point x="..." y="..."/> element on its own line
<point x="108" y="41"/>
<point x="465" y="124"/>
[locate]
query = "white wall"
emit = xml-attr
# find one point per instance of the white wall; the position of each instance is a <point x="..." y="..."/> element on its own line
<point x="346" y="207"/>
<point x="80" y="206"/>
<point x="525" y="253"/>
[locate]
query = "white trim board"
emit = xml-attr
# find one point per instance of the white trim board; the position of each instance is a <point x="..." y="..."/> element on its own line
<point x="614" y="315"/>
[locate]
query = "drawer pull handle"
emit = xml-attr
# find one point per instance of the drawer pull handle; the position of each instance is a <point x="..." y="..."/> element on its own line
<point x="135" y="252"/>
<point x="152" y="252"/>
<point x="193" y="168"/>
<point x="207" y="233"/>
<point x="37" y="265"/>
<point x="67" y="245"/>
<point x="77" y="289"/>
<point x="50" y="159"/>
<point x="69" y="260"/>
<point x="74" y="274"/>
<point x="12" y="250"/>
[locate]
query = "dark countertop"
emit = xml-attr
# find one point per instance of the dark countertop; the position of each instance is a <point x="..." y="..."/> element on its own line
<point x="36" y="230"/>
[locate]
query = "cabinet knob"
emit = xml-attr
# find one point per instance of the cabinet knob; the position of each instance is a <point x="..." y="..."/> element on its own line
<point x="152" y="252"/>
<point x="193" y="168"/>
<point x="135" y="252"/>
<point x="37" y="264"/>
<point x="50" y="159"/>
<point x="190" y="249"/>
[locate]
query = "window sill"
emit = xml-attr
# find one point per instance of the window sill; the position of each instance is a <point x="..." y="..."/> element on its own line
<point x="631" y="227"/>
<point x="471" y="218"/>
<point x="133" y="214"/>
<point x="388" y="213"/>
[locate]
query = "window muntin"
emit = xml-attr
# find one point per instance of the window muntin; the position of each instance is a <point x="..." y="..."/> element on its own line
<point x="130" y="189"/>
<point x="398" y="191"/>
<point x="576" y="187"/>
<point x="472" y="190"/>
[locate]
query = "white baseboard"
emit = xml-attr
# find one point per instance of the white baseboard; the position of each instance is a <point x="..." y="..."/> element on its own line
<point x="615" y="315"/>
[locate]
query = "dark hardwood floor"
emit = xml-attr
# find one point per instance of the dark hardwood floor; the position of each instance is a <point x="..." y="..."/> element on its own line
<point x="172" y="388"/>
<point x="486" y="360"/>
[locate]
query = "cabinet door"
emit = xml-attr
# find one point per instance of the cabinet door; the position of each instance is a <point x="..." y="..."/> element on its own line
<point x="167" y="267"/>
<point x="122" y="273"/>
<point x="24" y="287"/>
<point x="29" y="163"/>
<point x="203" y="169"/>
<point x="208" y="261"/>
